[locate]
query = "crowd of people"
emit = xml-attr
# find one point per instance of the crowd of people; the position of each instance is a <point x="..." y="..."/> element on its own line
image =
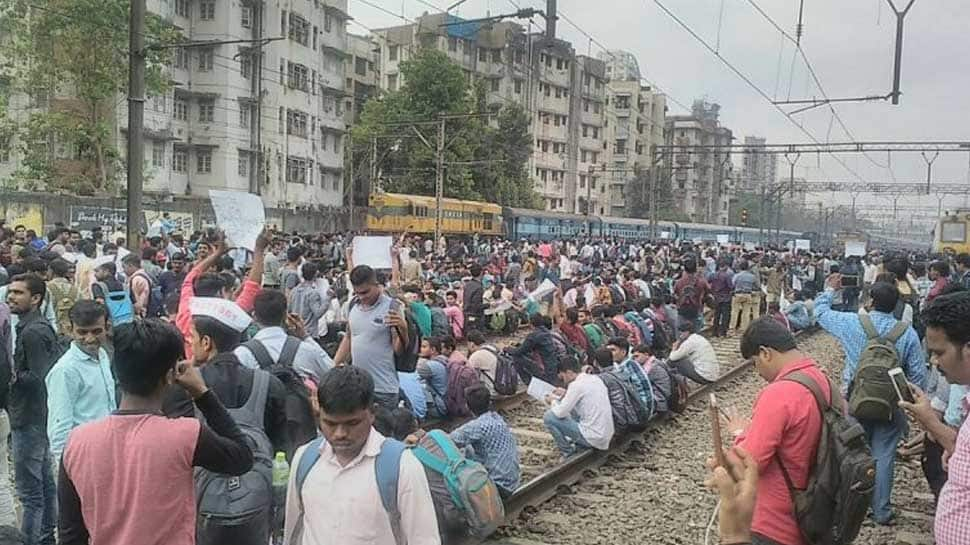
<point x="190" y="354"/>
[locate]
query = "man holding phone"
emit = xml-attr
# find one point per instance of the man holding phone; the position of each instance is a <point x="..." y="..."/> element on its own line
<point x="783" y="433"/>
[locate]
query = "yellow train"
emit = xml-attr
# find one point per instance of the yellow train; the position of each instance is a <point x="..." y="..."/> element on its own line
<point x="397" y="213"/>
<point x="951" y="233"/>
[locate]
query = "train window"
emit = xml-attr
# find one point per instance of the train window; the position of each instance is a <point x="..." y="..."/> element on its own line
<point x="953" y="232"/>
<point x="488" y="221"/>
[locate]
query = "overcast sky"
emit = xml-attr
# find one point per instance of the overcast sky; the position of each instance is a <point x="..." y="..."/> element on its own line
<point x="849" y="42"/>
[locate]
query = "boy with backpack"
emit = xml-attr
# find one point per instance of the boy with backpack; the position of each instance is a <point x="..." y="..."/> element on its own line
<point x="874" y="344"/>
<point x="108" y="291"/>
<point x="489" y="440"/>
<point x="789" y="436"/>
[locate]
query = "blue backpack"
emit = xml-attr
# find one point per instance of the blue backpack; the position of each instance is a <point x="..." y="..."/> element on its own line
<point x="120" y="308"/>
<point x="646" y="334"/>
<point x="387" y="467"/>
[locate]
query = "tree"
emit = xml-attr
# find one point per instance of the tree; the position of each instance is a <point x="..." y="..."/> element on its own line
<point x="482" y="162"/>
<point x="637" y="198"/>
<point x="70" y="58"/>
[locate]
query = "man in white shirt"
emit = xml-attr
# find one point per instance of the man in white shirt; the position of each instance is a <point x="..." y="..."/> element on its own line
<point x="269" y="313"/>
<point x="693" y="356"/>
<point x="587" y="398"/>
<point x="334" y="497"/>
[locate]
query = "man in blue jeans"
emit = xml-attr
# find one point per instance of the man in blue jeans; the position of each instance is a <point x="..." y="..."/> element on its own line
<point x="848" y="329"/>
<point x="579" y="417"/>
<point x="35" y="352"/>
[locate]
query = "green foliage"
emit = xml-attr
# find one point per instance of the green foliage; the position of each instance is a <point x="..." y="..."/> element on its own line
<point x="435" y="86"/>
<point x="637" y="199"/>
<point x="71" y="58"/>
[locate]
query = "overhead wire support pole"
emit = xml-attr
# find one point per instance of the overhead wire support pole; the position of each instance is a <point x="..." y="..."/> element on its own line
<point x="929" y="168"/>
<point x="136" y="121"/>
<point x="898" y="65"/>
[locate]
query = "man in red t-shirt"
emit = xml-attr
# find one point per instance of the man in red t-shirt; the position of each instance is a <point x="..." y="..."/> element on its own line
<point x="690" y="291"/>
<point x="785" y="428"/>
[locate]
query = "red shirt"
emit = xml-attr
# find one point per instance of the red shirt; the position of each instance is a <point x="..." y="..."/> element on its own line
<point x="786" y="422"/>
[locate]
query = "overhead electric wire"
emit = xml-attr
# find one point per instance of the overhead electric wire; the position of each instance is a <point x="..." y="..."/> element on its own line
<point x="751" y="84"/>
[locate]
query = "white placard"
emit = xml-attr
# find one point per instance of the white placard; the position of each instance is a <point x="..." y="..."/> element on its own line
<point x="664" y="235"/>
<point x="749" y="246"/>
<point x="69" y="257"/>
<point x="855" y="248"/>
<point x="241" y="215"/>
<point x="723" y="240"/>
<point x="374" y="252"/>
<point x="803" y="244"/>
<point x="544" y="288"/>
<point x="539" y="389"/>
<point x="796" y="283"/>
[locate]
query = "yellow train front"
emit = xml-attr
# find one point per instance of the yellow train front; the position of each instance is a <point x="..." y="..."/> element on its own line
<point x="951" y="233"/>
<point x="397" y="213"/>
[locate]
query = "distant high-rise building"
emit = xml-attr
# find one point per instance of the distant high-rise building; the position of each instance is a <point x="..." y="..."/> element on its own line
<point x="758" y="168"/>
<point x="620" y="65"/>
<point x="636" y="125"/>
<point x="700" y="178"/>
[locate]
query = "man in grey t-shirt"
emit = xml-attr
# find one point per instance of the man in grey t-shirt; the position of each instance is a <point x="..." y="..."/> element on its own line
<point x="376" y="330"/>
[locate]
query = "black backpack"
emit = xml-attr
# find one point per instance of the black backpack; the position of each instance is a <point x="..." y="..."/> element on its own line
<point x="629" y="413"/>
<point x="156" y="301"/>
<point x="912" y="300"/>
<point x="679" y="391"/>
<point x="661" y="340"/>
<point x="831" y="509"/>
<point x="301" y="425"/>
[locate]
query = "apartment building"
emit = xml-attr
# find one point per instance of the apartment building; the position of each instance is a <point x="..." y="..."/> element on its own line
<point x="757" y="168"/>
<point x="636" y="125"/>
<point x="362" y="70"/>
<point x="701" y="179"/>
<point x="264" y="117"/>
<point x="620" y="65"/>
<point x="562" y="92"/>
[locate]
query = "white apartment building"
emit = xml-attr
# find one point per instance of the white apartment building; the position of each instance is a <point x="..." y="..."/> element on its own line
<point x="362" y="75"/>
<point x="757" y="168"/>
<point x="700" y="178"/>
<point x="562" y="92"/>
<point x="620" y="65"/>
<point x="211" y="129"/>
<point x="636" y="125"/>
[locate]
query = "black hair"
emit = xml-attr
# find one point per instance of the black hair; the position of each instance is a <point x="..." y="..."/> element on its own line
<point x="603" y="357"/>
<point x="950" y="313"/>
<point x="60" y="267"/>
<point x="643" y="349"/>
<point x="940" y="267"/>
<point x="537" y="320"/>
<point x="35" y="284"/>
<point x="88" y="248"/>
<point x="619" y="342"/>
<point x="172" y="303"/>
<point x="208" y="285"/>
<point x="884" y="296"/>
<point x="224" y="263"/>
<point x="131" y="260"/>
<point x="475" y="270"/>
<point x="269" y="307"/>
<point x="686" y="325"/>
<point x="435" y="343"/>
<point x="346" y="389"/>
<point x="964" y="259"/>
<point x="898" y="266"/>
<point x="108" y="267"/>
<point x="223" y="337"/>
<point x="148" y="253"/>
<point x="36" y="265"/>
<point x="478" y="398"/>
<point x="294" y="253"/>
<point x="363" y="274"/>
<point x="569" y="363"/>
<point x="310" y="271"/>
<point x="766" y="332"/>
<point x="690" y="265"/>
<point x="447" y="341"/>
<point x="398" y="423"/>
<point x="475" y="337"/>
<point x="145" y="351"/>
<point x="572" y="315"/>
<point x="87" y="312"/>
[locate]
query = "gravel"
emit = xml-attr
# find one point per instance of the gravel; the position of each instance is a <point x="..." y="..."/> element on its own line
<point x="653" y="492"/>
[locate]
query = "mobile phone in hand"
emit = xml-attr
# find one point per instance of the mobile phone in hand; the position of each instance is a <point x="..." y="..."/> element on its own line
<point x="900" y="385"/>
<point x="716" y="432"/>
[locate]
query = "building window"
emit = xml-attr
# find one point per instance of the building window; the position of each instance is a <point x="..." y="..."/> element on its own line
<point x="482" y="54"/>
<point x="582" y="181"/>
<point x="452" y="44"/>
<point x="296" y="170"/>
<point x="205" y="59"/>
<point x="181" y="58"/>
<point x="315" y="32"/>
<point x="243" y="167"/>
<point x="179" y="161"/>
<point x="244" y="115"/>
<point x="596" y="107"/>
<point x="621" y="147"/>
<point x="558" y="92"/>
<point x="495" y="84"/>
<point x="360" y="66"/>
<point x="181" y="110"/>
<point x="327" y="22"/>
<point x="582" y="156"/>
<point x="207" y="10"/>
<point x="518" y="86"/>
<point x="296" y="123"/>
<point x="392" y="52"/>
<point x="280" y="123"/>
<point x="392" y="82"/>
<point x="158" y="154"/>
<point x="299" y="29"/>
<point x="247" y="17"/>
<point x="245" y="65"/>
<point x="207" y="108"/>
<point x="496" y="55"/>
<point x="203" y="161"/>
<point x="544" y="145"/>
<point x="182" y="8"/>
<point x="298" y="76"/>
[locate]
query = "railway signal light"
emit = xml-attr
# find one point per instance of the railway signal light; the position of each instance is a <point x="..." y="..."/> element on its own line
<point x="744" y="217"/>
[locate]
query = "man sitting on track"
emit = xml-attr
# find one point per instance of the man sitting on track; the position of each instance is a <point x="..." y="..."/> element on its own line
<point x="783" y="433"/>
<point x="693" y="356"/>
<point x="488" y="439"/>
<point x="587" y="398"/>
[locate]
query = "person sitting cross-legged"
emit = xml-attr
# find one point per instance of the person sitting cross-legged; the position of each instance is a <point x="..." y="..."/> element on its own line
<point x="580" y="416"/>
<point x="488" y="439"/>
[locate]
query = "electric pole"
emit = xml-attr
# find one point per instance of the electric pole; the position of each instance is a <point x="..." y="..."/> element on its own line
<point x="439" y="189"/>
<point x="136" y="120"/>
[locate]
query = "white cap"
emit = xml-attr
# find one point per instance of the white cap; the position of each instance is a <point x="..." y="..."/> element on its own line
<point x="222" y="310"/>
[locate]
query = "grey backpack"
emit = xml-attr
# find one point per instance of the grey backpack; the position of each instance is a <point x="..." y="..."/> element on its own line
<point x="227" y="500"/>
<point x="871" y="395"/>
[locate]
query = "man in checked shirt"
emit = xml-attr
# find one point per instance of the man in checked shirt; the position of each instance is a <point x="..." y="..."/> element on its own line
<point x="947" y="321"/>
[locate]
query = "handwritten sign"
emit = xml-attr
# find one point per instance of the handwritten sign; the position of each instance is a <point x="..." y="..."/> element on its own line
<point x="855" y="248"/>
<point x="374" y="252"/>
<point x="241" y="215"/>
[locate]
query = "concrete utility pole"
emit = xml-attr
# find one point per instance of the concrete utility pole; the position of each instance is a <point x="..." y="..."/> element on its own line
<point x="589" y="196"/>
<point x="929" y="168"/>
<point x="439" y="189"/>
<point x="351" y="181"/>
<point x="136" y="120"/>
